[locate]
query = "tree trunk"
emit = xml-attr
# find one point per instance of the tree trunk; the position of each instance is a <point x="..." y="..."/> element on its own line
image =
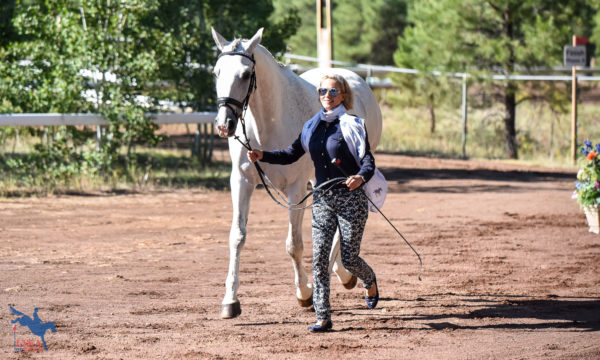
<point x="510" y="103"/>
<point x="510" y="133"/>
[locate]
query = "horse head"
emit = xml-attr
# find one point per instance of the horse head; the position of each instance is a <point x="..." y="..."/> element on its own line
<point x="235" y="79"/>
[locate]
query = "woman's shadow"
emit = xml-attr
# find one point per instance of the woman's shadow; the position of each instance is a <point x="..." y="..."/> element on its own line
<point x="492" y="311"/>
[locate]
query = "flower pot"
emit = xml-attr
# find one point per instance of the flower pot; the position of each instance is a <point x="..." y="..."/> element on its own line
<point x="593" y="217"/>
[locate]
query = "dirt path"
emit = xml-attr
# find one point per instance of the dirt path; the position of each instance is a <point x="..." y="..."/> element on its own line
<point x="511" y="272"/>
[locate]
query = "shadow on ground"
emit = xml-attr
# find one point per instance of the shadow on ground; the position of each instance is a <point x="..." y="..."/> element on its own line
<point x="505" y="312"/>
<point x="398" y="179"/>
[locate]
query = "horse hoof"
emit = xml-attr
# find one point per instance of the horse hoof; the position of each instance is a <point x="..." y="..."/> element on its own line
<point x="230" y="311"/>
<point x="305" y="303"/>
<point x="351" y="284"/>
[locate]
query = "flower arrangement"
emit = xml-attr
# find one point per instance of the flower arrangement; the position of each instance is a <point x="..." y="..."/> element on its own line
<point x="587" y="186"/>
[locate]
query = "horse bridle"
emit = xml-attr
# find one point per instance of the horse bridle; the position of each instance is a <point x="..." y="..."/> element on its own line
<point x="242" y="105"/>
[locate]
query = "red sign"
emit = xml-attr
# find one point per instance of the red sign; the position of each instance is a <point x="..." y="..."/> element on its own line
<point x="581" y="40"/>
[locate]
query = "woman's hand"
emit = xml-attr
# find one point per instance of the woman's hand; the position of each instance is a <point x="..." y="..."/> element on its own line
<point x="255" y="155"/>
<point x="354" y="181"/>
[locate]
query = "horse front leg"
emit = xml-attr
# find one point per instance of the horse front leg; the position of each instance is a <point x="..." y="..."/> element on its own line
<point x="335" y="264"/>
<point x="295" y="247"/>
<point x="241" y="191"/>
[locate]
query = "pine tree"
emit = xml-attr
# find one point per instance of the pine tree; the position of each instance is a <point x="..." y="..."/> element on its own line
<point x="493" y="36"/>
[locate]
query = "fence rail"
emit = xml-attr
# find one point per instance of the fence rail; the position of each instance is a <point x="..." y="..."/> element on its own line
<point x="202" y="146"/>
<point x="95" y="119"/>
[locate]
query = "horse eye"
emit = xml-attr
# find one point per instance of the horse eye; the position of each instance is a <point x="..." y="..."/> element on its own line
<point x="246" y="75"/>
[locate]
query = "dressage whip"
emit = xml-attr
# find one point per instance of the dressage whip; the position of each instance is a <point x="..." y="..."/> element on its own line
<point x="337" y="162"/>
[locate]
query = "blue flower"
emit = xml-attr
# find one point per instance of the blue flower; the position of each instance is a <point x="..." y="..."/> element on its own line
<point x="587" y="147"/>
<point x="598" y="148"/>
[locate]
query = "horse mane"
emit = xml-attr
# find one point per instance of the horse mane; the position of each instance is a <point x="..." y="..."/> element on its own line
<point x="236" y="45"/>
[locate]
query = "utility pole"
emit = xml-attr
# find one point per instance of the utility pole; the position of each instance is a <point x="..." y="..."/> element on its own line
<point x="324" y="33"/>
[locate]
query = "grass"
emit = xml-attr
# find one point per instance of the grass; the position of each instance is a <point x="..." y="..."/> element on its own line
<point x="153" y="169"/>
<point x="544" y="137"/>
<point x="177" y="169"/>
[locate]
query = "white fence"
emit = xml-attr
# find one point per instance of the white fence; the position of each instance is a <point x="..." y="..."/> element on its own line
<point x="203" y="143"/>
<point x="95" y="119"/>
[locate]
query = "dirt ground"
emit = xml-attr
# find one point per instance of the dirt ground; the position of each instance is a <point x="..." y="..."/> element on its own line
<point x="510" y="272"/>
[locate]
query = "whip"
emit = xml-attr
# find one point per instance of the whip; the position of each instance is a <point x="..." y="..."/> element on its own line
<point x="337" y="162"/>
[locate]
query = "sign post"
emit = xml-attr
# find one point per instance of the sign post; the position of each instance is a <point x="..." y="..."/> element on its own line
<point x="574" y="56"/>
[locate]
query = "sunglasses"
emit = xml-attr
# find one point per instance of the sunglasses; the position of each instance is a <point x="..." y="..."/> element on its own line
<point x="333" y="92"/>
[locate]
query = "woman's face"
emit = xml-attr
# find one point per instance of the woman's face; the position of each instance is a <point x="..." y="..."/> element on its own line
<point x="331" y="102"/>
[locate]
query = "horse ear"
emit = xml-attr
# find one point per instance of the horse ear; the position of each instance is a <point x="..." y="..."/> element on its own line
<point x="254" y="41"/>
<point x="219" y="39"/>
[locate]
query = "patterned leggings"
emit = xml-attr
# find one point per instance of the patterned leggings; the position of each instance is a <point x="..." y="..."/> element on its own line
<point x="349" y="209"/>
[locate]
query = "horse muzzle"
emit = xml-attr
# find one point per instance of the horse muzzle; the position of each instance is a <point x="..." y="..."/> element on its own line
<point x="226" y="122"/>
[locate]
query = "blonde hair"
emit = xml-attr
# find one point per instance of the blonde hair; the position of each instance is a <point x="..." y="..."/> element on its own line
<point x="344" y="88"/>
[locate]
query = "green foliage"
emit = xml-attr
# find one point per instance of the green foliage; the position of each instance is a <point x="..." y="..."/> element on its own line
<point x="504" y="36"/>
<point x="184" y="27"/>
<point x="364" y="31"/>
<point x="40" y="70"/>
<point x="49" y="167"/>
<point x="120" y="59"/>
<point x="419" y="48"/>
<point x="37" y="174"/>
<point x="587" y="186"/>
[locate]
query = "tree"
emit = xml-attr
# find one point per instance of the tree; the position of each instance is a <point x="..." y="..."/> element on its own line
<point x="424" y="47"/>
<point x="364" y="31"/>
<point x="7" y="32"/>
<point x="121" y="59"/>
<point x="502" y="36"/>
<point x="188" y="23"/>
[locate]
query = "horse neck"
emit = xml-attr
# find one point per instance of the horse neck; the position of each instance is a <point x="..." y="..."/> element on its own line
<point x="275" y="86"/>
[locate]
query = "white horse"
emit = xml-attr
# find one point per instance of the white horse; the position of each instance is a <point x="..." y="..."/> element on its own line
<point x="277" y="109"/>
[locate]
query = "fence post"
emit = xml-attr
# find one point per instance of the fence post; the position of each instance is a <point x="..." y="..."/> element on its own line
<point x="196" y="143"/>
<point x="574" y="109"/>
<point x="98" y="137"/>
<point x="464" y="116"/>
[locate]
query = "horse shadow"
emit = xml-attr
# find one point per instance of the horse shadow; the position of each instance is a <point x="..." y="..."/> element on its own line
<point x="505" y="312"/>
<point x="35" y="325"/>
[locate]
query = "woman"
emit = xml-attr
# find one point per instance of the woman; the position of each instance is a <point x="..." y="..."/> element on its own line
<point x="327" y="138"/>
